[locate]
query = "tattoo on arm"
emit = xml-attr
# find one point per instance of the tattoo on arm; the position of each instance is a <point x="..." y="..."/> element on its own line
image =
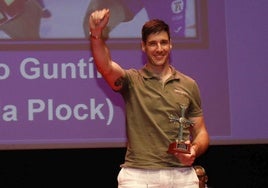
<point x="119" y="82"/>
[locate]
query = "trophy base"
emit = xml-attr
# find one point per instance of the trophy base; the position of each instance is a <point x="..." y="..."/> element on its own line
<point x="181" y="147"/>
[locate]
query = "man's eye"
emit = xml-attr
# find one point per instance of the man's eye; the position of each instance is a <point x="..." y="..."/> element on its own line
<point x="164" y="42"/>
<point x="152" y="44"/>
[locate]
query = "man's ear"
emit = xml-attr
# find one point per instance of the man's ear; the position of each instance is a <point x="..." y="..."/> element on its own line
<point x="143" y="46"/>
<point x="170" y="45"/>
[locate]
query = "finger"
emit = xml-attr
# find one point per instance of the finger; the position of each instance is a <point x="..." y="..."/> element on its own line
<point x="99" y="15"/>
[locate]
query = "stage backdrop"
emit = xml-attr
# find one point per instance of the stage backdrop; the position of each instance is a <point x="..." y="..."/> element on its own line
<point x="53" y="97"/>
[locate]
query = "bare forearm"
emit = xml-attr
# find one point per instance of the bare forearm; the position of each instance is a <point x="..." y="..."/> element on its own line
<point x="201" y="143"/>
<point x="100" y="54"/>
<point x="109" y="69"/>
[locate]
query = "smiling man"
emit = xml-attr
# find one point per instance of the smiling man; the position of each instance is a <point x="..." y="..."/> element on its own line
<point x="152" y="95"/>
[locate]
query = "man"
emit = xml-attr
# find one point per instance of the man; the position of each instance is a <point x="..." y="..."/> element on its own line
<point x="153" y="95"/>
<point x="202" y="176"/>
<point x="20" y="19"/>
<point x="179" y="14"/>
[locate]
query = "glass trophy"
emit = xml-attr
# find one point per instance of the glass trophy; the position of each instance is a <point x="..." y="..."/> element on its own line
<point x="179" y="144"/>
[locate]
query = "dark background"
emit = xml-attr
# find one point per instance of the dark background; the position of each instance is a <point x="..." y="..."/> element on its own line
<point x="243" y="166"/>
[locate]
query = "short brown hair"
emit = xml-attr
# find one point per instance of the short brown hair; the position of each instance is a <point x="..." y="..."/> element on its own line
<point x="154" y="26"/>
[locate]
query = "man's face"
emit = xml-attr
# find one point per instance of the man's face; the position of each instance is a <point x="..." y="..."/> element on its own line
<point x="157" y="48"/>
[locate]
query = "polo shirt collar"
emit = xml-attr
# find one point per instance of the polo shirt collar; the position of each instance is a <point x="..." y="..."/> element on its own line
<point x="147" y="74"/>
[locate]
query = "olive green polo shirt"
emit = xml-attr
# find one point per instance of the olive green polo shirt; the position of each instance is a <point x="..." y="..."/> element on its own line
<point x="149" y="106"/>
